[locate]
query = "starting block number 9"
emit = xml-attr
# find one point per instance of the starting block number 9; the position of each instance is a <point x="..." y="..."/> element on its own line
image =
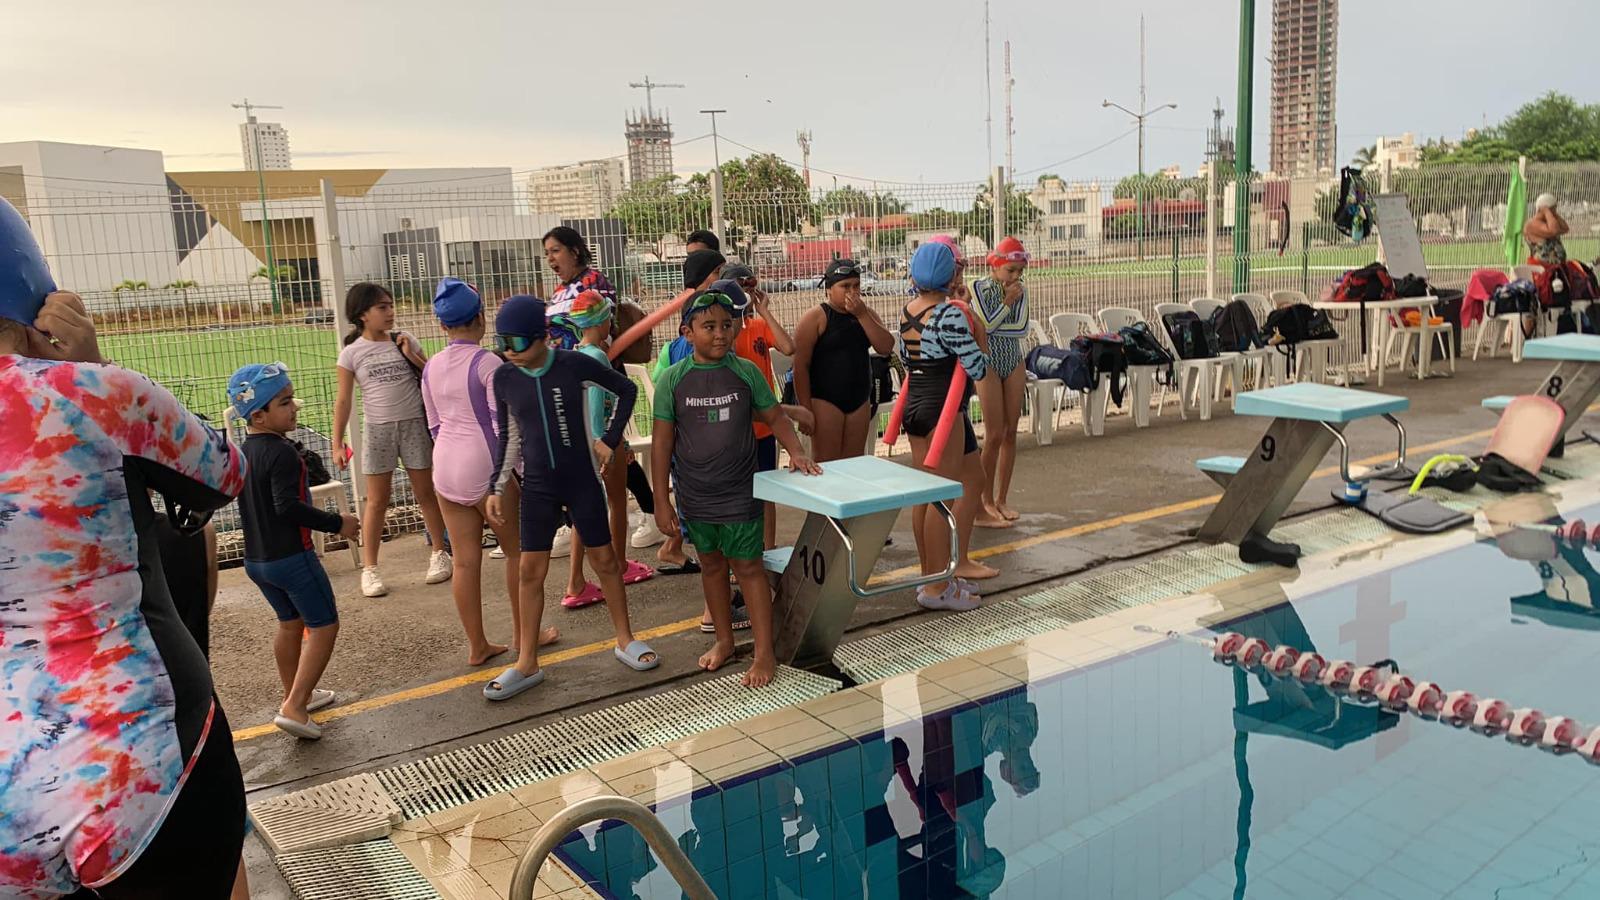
<point x="812" y="565"/>
<point x="1552" y="388"/>
<point x="1269" y="448"/>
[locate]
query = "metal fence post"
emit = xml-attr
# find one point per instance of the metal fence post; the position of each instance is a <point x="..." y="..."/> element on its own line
<point x="1174" y="267"/>
<point x="333" y="300"/>
<point x="1211" y="229"/>
<point x="716" y="203"/>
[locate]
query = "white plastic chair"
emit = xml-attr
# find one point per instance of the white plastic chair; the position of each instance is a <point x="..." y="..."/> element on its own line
<point x="337" y="490"/>
<point x="1501" y="327"/>
<point x="1141" y="379"/>
<point x="1312" y="358"/>
<point x="1422" y="336"/>
<point x="1262" y="361"/>
<point x="1197" y="378"/>
<point x="1063" y="328"/>
<point x="637" y="442"/>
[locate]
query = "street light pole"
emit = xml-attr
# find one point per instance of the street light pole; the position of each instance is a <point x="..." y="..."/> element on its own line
<point x="716" y="173"/>
<point x="1138" y="117"/>
<point x="261" y="186"/>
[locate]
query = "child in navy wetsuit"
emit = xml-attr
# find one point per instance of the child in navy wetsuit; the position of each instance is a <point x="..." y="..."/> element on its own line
<point x="540" y="396"/>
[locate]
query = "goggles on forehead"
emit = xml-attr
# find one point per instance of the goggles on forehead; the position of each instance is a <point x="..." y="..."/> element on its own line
<point x="1020" y="256"/>
<point x="714" y="298"/>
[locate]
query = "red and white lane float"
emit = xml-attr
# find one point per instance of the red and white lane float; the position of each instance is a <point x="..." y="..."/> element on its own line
<point x="1395" y="691"/>
<point x="1561" y="733"/>
<point x="1574" y="533"/>
<point x="1426" y="700"/>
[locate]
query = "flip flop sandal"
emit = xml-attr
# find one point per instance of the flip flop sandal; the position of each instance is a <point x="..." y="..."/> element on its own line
<point x="688" y="567"/>
<point x="305" y="731"/>
<point x="630" y="657"/>
<point x="636" y="572"/>
<point x="741" y="622"/>
<point x="511" y="683"/>
<point x="320" y="699"/>
<point x="589" y="596"/>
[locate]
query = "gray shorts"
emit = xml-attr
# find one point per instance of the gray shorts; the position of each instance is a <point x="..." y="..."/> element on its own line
<point x="387" y="443"/>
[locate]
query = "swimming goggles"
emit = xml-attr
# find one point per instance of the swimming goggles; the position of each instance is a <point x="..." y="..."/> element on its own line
<point x="1020" y="256"/>
<point x="714" y="298"/>
<point x="512" y="343"/>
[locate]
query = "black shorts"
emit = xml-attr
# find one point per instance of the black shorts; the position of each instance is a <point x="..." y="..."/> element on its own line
<point x="196" y="851"/>
<point x="584" y="501"/>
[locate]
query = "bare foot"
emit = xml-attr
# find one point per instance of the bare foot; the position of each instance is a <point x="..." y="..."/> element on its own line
<point x="1009" y="513"/>
<point x="719" y="654"/>
<point x="547" y="635"/>
<point x="490" y="651"/>
<point x="975" y="571"/>
<point x="992" y="521"/>
<point x="760" y="674"/>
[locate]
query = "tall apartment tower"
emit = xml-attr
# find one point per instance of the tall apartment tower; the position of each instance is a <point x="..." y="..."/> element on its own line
<point x="274" y="144"/>
<point x="1305" y="68"/>
<point x="649" y="146"/>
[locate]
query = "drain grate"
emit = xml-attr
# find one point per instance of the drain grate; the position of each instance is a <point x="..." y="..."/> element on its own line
<point x="460" y="776"/>
<point x="340" y="812"/>
<point x="374" y="870"/>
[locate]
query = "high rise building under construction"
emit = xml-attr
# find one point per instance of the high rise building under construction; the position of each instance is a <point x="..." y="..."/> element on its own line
<point x="649" y="137"/>
<point x="1305" y="68"/>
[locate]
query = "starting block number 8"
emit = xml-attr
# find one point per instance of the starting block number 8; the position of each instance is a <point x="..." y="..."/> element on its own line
<point x="1553" y="387"/>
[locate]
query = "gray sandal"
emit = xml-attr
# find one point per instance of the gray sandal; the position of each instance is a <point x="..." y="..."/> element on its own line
<point x="630" y="656"/>
<point x="511" y="683"/>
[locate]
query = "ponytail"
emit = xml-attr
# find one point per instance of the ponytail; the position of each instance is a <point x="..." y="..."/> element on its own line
<point x="360" y="298"/>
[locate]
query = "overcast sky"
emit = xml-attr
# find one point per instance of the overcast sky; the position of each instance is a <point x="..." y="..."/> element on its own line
<point x="891" y="91"/>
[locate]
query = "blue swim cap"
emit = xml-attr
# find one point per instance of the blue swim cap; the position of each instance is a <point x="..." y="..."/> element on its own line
<point x="24" y="278"/>
<point x="933" y="267"/>
<point x="252" y="387"/>
<point x="455" y="302"/>
<point x="523" y="316"/>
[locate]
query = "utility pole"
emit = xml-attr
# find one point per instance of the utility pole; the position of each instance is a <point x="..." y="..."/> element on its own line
<point x="261" y="186"/>
<point x="1242" y="138"/>
<point x="1144" y="112"/>
<point x="803" y="138"/>
<point x="649" y="93"/>
<point x="716" y="173"/>
<point x="988" y="90"/>
<point x="1011" y="128"/>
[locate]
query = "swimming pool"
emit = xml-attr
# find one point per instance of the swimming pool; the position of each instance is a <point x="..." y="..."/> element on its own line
<point x="1154" y="770"/>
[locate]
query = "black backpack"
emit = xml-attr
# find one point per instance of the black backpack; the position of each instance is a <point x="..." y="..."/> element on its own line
<point x="1236" y="328"/>
<point x="1141" y="347"/>
<point x="1300" y="322"/>
<point x="1069" y="365"/>
<point x="1108" y="357"/>
<point x="1191" y="335"/>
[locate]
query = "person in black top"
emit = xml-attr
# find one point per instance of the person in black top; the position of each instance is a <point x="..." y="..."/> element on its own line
<point x="278" y="518"/>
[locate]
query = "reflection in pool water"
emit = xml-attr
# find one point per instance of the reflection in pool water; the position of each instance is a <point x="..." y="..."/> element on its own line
<point x="1160" y="772"/>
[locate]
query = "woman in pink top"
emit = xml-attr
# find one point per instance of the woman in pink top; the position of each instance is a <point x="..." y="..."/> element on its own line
<point x="458" y="395"/>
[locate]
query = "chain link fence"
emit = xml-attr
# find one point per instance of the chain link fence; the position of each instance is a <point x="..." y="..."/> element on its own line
<point x="189" y="282"/>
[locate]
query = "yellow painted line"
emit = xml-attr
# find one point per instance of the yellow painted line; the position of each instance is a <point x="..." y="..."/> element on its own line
<point x="449" y="684"/>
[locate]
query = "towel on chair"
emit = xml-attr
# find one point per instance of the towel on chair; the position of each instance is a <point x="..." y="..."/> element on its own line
<point x="1479" y="290"/>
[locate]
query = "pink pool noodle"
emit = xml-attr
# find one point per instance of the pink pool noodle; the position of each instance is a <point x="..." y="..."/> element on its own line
<point x="947" y="419"/>
<point x="643" y="326"/>
<point x="891" y="431"/>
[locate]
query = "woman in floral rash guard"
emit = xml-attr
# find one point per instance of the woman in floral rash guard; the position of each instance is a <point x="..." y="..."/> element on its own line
<point x="117" y="770"/>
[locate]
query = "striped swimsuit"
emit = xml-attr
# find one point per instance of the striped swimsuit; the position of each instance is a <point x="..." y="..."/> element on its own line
<point x="1007" y="325"/>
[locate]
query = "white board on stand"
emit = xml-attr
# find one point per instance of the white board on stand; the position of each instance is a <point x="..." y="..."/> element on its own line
<point x="1397" y="236"/>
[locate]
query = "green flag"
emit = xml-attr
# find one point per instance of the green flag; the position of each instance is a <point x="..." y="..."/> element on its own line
<point x="1516" y="217"/>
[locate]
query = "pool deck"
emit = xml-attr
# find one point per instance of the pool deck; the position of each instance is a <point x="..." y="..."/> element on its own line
<point x="1087" y="503"/>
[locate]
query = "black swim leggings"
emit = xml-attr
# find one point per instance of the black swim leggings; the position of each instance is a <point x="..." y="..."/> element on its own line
<point x="639" y="487"/>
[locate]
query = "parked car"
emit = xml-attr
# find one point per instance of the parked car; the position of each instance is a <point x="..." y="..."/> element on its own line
<point x="872" y="283"/>
<point x="811" y="283"/>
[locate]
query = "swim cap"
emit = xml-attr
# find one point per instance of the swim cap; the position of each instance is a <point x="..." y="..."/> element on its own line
<point x="24" y="278"/>
<point x="563" y="333"/>
<point x="933" y="266"/>
<point x="950" y="242"/>
<point x="589" y="309"/>
<point x="1009" y="250"/>
<point x="731" y="288"/>
<point x="253" y="386"/>
<point x="698" y="265"/>
<point x="522" y="315"/>
<point x="455" y="302"/>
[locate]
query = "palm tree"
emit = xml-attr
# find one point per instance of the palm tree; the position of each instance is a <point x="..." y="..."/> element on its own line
<point x="182" y="286"/>
<point x="1365" y="157"/>
<point x="280" y="273"/>
<point x="128" y="284"/>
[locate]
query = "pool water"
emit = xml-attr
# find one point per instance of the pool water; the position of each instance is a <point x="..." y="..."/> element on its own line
<point x="1161" y="772"/>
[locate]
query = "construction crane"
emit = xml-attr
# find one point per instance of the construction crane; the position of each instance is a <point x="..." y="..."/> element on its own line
<point x="803" y="138"/>
<point x="649" y="93"/>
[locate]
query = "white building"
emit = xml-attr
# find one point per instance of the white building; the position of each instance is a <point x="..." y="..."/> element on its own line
<point x="1397" y="153"/>
<point x="1070" y="223"/>
<point x="583" y="190"/>
<point x="274" y="141"/>
<point x="102" y="215"/>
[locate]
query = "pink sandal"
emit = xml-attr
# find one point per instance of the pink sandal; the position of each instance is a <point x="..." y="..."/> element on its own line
<point x="589" y="596"/>
<point x="636" y="572"/>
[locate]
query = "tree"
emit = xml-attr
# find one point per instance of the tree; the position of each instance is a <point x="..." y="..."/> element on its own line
<point x="664" y="205"/>
<point x="1020" y="214"/>
<point x="182" y="286"/>
<point x="1365" y="157"/>
<point x="762" y="194"/>
<point x="280" y="273"/>
<point x="1553" y="128"/>
<point x="853" y="201"/>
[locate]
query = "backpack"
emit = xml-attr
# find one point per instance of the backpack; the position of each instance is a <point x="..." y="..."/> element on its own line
<point x="316" y="470"/>
<point x="1300" y="322"/>
<point x="1141" y="348"/>
<point x="1368" y="283"/>
<point x="1353" y="216"/>
<point x="1191" y="335"/>
<point x="1411" y="286"/>
<point x="1518" y="296"/>
<point x="1236" y="328"/>
<point x="1558" y="286"/>
<point x="1107" y="356"/>
<point x="1069" y="365"/>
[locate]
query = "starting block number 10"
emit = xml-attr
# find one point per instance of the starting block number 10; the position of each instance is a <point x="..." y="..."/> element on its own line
<point x="812" y="566"/>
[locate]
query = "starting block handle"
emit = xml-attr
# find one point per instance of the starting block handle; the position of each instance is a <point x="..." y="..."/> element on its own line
<point x="1378" y="471"/>
<point x="865" y="592"/>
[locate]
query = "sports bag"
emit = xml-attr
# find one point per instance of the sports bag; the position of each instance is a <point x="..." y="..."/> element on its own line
<point x="1236" y="328"/>
<point x="1069" y="365"/>
<point x="1191" y="335"/>
<point x="1141" y="347"/>
<point x="1366" y="284"/>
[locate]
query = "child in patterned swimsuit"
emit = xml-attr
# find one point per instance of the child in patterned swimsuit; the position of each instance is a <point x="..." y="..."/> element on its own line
<point x="1001" y="303"/>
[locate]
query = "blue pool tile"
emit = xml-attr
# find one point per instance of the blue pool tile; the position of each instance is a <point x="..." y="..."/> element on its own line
<point x="707" y="812"/>
<point x="776" y="789"/>
<point x="590" y="859"/>
<point x="716" y="879"/>
<point x="747" y="879"/>
<point x="744" y="841"/>
<point x="782" y="867"/>
<point x="741" y="801"/>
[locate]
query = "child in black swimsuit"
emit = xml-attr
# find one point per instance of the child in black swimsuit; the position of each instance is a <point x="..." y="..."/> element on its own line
<point x="832" y="371"/>
<point x="935" y="340"/>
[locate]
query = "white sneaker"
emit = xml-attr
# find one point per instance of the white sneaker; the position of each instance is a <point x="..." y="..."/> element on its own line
<point x="497" y="553"/>
<point x="562" y="544"/>
<point x="952" y="598"/>
<point x="440" y="567"/>
<point x="371" y="584"/>
<point x="647" y="534"/>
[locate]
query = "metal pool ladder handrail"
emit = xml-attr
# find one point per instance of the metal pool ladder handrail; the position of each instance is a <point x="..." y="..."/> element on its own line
<point x="595" y="809"/>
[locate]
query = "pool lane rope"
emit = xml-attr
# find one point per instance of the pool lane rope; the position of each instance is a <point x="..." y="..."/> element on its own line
<point x="1385" y="685"/>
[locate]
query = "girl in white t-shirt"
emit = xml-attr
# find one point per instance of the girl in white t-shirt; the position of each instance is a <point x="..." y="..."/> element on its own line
<point x="394" y="427"/>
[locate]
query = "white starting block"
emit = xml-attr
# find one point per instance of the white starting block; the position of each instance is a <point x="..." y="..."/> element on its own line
<point x="1575" y="381"/>
<point x="850" y="509"/>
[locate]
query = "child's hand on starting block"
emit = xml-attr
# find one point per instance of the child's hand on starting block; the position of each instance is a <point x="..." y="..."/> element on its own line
<point x="805" y="465"/>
